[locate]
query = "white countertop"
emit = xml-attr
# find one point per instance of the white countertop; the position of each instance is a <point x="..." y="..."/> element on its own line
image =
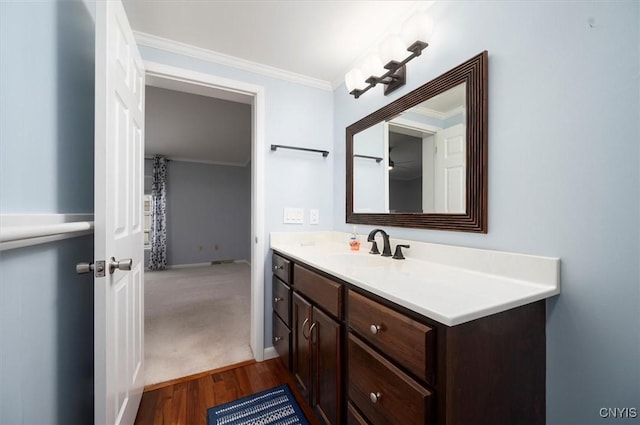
<point x="449" y="284"/>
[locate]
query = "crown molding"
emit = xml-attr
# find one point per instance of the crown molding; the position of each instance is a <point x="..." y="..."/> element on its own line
<point x="177" y="47"/>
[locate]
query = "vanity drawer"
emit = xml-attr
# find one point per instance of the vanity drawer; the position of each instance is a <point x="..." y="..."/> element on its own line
<point x="282" y="340"/>
<point x="281" y="300"/>
<point x="383" y="393"/>
<point x="354" y="417"/>
<point x="408" y="342"/>
<point x="322" y="291"/>
<point x="281" y="268"/>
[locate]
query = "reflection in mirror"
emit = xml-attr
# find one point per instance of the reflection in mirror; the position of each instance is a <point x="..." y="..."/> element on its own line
<point x="416" y="161"/>
<point x="421" y="160"/>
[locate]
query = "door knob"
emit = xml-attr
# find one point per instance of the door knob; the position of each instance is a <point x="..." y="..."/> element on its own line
<point x="82" y="268"/>
<point x="120" y="265"/>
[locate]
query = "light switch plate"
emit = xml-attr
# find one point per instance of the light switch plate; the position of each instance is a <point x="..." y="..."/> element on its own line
<point x="293" y="216"/>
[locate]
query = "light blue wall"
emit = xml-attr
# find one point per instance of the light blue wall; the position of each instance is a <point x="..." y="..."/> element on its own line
<point x="46" y="166"/>
<point x="295" y="115"/>
<point x="207" y="205"/>
<point x="46" y="334"/>
<point x="43" y="70"/>
<point x="563" y="175"/>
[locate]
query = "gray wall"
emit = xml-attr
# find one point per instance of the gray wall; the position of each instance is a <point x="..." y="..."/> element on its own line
<point x="207" y="205"/>
<point x="46" y="166"/>
<point x="405" y="195"/>
<point x="563" y="175"/>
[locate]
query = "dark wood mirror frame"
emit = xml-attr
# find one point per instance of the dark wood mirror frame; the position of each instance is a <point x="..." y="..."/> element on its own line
<point x="474" y="73"/>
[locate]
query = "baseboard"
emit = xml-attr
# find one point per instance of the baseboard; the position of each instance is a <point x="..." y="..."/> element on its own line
<point x="270" y="353"/>
<point x="186" y="266"/>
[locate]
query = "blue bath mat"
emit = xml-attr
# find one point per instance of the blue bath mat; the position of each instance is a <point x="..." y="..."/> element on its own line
<point x="276" y="406"/>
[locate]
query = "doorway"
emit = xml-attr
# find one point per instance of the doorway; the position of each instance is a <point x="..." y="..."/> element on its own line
<point x="179" y="79"/>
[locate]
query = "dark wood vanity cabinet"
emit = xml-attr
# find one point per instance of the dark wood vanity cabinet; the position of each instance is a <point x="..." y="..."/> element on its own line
<point x="378" y="388"/>
<point x="314" y="351"/>
<point x="363" y="360"/>
<point x="281" y="304"/>
<point x="486" y="371"/>
<point x="317" y="346"/>
<point x="317" y="359"/>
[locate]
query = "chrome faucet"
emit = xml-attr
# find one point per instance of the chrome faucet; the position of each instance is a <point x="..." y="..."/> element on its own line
<point x="386" y="250"/>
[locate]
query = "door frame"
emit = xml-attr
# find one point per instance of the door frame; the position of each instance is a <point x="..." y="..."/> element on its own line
<point x="160" y="71"/>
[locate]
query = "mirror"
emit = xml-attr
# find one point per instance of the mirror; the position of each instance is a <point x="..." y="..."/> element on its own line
<point x="421" y="160"/>
<point x="417" y="158"/>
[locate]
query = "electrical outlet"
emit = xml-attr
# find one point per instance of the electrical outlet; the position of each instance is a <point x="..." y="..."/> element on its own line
<point x="314" y="216"/>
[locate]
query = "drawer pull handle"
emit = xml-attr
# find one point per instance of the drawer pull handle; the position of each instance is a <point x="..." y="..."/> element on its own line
<point x="375" y="329"/>
<point x="374" y="397"/>
<point x="277" y="267"/>
<point x="278" y="299"/>
<point x="303" y="325"/>
<point x="313" y="325"/>
<point x="276" y="339"/>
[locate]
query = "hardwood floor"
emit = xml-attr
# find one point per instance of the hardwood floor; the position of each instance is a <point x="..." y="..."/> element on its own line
<point x="186" y="402"/>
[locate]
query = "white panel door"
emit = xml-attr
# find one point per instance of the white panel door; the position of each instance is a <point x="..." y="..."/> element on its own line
<point x="451" y="176"/>
<point x="119" y="295"/>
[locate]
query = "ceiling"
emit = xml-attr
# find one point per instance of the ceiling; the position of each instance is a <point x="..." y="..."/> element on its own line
<point x="191" y="127"/>
<point x="319" y="40"/>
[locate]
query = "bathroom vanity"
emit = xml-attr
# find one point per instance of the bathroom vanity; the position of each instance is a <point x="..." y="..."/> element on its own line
<point x="450" y="335"/>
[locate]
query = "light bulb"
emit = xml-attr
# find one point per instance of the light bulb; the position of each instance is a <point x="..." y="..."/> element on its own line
<point x="372" y="66"/>
<point x="354" y="80"/>
<point x="392" y="48"/>
<point x="419" y="27"/>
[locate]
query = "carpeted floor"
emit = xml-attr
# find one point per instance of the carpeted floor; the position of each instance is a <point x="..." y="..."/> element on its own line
<point x="196" y="319"/>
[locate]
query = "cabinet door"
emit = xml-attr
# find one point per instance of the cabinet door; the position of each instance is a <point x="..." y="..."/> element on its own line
<point x="327" y="391"/>
<point x="302" y="320"/>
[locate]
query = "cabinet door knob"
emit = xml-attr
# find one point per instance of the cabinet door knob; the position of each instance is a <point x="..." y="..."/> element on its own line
<point x="277" y="267"/>
<point x="374" y="397"/>
<point x="276" y="339"/>
<point x="277" y="299"/>
<point x="375" y="329"/>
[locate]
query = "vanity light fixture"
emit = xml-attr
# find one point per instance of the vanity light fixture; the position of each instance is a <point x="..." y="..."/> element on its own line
<point x="414" y="38"/>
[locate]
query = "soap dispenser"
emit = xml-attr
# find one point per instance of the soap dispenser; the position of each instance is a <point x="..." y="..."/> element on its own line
<point x="354" y="242"/>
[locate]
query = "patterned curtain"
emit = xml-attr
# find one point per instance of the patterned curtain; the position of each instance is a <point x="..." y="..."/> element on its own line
<point x="158" y="258"/>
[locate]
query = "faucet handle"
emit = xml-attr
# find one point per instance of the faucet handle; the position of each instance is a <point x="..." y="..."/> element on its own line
<point x="398" y="254"/>
<point x="374" y="248"/>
